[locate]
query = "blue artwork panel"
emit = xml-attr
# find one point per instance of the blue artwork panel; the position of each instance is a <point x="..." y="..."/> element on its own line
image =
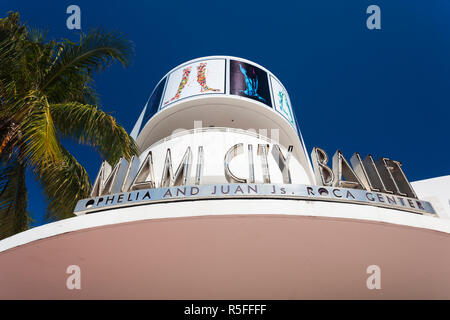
<point x="249" y="81"/>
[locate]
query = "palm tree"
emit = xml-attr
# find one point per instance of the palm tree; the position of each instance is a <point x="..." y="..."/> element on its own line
<point x="46" y="94"/>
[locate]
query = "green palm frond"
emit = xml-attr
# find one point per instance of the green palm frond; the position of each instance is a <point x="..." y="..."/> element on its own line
<point x="64" y="183"/>
<point x="91" y="126"/>
<point x="74" y="86"/>
<point x="40" y="143"/>
<point x="14" y="216"/>
<point x="37" y="35"/>
<point x="96" y="51"/>
<point x="12" y="49"/>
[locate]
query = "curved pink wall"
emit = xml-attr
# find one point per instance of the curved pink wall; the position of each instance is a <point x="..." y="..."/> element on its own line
<point x="233" y="257"/>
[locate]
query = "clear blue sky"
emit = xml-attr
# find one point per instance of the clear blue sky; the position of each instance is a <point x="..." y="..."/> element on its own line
<point x="384" y="92"/>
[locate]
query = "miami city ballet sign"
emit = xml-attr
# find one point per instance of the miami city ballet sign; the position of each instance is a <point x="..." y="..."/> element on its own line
<point x="380" y="183"/>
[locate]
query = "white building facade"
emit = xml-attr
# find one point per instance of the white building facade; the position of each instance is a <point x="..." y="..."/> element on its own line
<point x="225" y="202"/>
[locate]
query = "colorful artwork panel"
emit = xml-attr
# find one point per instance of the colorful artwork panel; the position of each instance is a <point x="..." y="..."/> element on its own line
<point x="281" y="103"/>
<point x="201" y="77"/>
